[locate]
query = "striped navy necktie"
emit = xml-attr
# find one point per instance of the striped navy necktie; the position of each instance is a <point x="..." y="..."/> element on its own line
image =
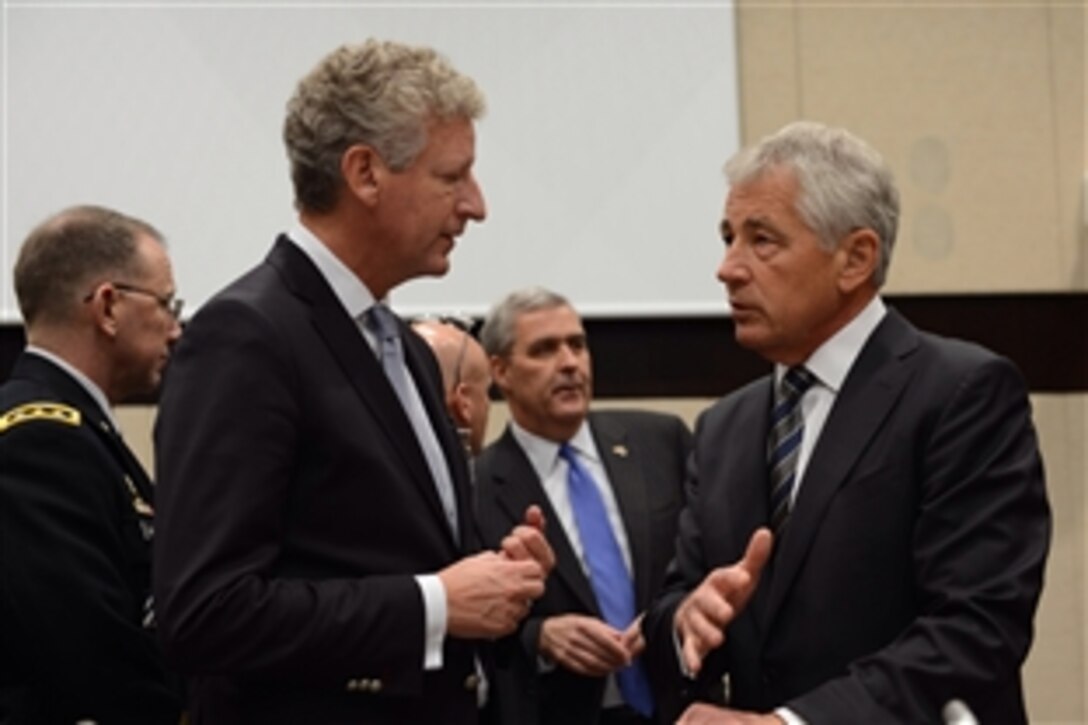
<point x="784" y="442"/>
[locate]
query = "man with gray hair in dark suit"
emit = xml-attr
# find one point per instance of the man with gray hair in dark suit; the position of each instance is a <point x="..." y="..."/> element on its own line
<point x="610" y="484"/>
<point x="867" y="526"/>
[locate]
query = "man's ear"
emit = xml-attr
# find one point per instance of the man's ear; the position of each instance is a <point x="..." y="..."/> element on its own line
<point x="103" y="309"/>
<point x="860" y="255"/>
<point x="460" y="405"/>
<point x="362" y="170"/>
<point x="498" y="371"/>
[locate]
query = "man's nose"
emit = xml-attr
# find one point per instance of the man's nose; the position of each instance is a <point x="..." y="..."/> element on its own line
<point x="472" y="204"/>
<point x="732" y="268"/>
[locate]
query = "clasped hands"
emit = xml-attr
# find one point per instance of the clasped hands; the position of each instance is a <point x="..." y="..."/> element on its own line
<point x="589" y="646"/>
<point x="487" y="594"/>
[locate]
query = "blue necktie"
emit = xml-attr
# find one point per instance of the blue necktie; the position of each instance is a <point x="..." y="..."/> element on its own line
<point x="383" y="324"/>
<point x="784" y="442"/>
<point x="607" y="572"/>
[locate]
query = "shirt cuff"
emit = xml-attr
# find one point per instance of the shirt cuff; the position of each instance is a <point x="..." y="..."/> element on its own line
<point x="434" y="619"/>
<point x="680" y="656"/>
<point x="544" y="665"/>
<point x="788" y="716"/>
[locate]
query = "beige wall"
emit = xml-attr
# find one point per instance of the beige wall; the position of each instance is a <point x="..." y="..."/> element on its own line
<point x="980" y="109"/>
<point x="1055" y="675"/>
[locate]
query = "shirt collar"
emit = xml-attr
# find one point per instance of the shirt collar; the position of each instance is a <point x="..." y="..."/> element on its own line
<point x="86" y="383"/>
<point x="832" y="360"/>
<point x="543" y="453"/>
<point x="348" y="288"/>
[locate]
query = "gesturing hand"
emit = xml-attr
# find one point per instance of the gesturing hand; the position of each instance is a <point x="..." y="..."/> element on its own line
<point x="526" y="541"/>
<point x="702" y="714"/>
<point x="702" y="617"/>
<point x="489" y="593"/>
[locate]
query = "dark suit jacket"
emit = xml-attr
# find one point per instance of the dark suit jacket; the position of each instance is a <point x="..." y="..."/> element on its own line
<point x="912" y="563"/>
<point x="295" y="506"/>
<point x="644" y="454"/>
<point x="74" y="562"/>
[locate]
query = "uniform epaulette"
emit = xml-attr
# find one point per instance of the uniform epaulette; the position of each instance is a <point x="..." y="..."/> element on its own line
<point x="56" y="412"/>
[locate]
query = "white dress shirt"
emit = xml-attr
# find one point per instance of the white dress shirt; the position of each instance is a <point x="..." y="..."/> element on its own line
<point x="86" y="383"/>
<point x="356" y="299"/>
<point x="830" y="363"/>
<point x="551" y="469"/>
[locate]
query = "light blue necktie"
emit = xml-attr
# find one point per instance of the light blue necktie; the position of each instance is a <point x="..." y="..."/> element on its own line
<point x="784" y="442"/>
<point x="607" y="572"/>
<point x="383" y="323"/>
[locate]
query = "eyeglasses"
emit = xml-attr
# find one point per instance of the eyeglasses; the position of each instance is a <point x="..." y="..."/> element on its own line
<point x="171" y="304"/>
<point x="465" y="325"/>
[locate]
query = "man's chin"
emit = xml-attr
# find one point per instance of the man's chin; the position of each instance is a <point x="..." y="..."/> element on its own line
<point x="571" y="410"/>
<point x="146" y="393"/>
<point x="750" y="337"/>
<point x="438" y="267"/>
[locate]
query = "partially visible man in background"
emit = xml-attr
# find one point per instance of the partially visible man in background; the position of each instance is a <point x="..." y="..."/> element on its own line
<point x="96" y="293"/>
<point x="466" y="377"/>
<point x="611" y="484"/>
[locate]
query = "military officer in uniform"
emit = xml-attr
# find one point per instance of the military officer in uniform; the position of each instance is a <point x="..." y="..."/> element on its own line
<point x="96" y="293"/>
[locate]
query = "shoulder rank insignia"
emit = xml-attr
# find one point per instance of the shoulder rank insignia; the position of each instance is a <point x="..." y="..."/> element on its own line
<point x="56" y="412"/>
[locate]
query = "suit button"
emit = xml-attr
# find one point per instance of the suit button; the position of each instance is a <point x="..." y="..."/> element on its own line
<point x="352" y="685"/>
<point x="472" y="682"/>
<point x="376" y="685"/>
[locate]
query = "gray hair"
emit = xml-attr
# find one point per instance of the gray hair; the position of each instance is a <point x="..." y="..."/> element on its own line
<point x="70" y="252"/>
<point x="845" y="185"/>
<point x="380" y="93"/>
<point x="497" y="334"/>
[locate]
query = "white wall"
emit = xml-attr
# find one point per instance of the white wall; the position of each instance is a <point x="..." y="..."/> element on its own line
<point x="600" y="155"/>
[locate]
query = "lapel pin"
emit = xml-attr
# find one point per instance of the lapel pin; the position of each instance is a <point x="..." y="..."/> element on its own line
<point x="142" y="507"/>
<point x="620" y="450"/>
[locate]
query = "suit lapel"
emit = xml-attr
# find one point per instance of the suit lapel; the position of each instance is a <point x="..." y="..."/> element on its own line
<point x="429" y="383"/>
<point x="745" y="507"/>
<point x="136" y="482"/>
<point x="359" y="364"/>
<point x="517" y="487"/>
<point x="869" y="393"/>
<point x="622" y="462"/>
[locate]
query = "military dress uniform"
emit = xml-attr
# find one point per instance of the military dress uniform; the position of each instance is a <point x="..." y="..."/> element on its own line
<point x="76" y="622"/>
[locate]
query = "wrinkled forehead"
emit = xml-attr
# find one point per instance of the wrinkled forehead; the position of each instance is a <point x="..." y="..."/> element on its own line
<point x="554" y="321"/>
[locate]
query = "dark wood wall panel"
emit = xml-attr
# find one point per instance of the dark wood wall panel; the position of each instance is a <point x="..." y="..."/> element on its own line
<point x="1045" y="334"/>
<point x="663" y="357"/>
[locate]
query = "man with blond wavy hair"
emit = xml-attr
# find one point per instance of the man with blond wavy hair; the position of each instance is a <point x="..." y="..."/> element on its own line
<point x="318" y="559"/>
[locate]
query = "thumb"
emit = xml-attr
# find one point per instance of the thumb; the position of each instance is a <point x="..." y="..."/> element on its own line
<point x="758" y="552"/>
<point x="534" y="517"/>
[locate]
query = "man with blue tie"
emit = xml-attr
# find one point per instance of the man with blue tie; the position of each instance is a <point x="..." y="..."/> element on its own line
<point x="610" y="483"/>
<point x="867" y="526"/>
<point x="318" y="560"/>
